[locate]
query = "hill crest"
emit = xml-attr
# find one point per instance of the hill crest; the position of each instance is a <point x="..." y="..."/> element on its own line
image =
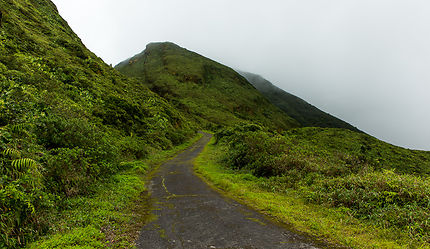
<point x="206" y="91"/>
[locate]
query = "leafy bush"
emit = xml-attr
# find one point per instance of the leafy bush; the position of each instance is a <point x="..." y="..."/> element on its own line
<point x="371" y="180"/>
<point x="81" y="118"/>
<point x="21" y="188"/>
<point x="133" y="147"/>
<point x="385" y="198"/>
<point x="236" y="129"/>
<point x="54" y="131"/>
<point x="69" y="171"/>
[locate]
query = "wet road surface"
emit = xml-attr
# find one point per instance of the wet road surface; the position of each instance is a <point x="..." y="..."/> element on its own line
<point x="189" y="214"/>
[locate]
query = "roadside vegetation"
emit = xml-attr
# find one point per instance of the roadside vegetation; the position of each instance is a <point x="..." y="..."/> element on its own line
<point x="113" y="215"/>
<point x="77" y="138"/>
<point x="67" y="120"/>
<point x="345" y="186"/>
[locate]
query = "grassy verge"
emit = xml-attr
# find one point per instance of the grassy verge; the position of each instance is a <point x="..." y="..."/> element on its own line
<point x="333" y="225"/>
<point x="113" y="215"/>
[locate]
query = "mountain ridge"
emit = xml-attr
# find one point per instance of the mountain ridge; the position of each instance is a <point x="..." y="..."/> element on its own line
<point x="70" y="125"/>
<point x="306" y="114"/>
<point x="208" y="92"/>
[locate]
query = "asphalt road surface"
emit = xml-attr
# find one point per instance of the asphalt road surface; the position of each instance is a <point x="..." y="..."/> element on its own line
<point x="189" y="214"/>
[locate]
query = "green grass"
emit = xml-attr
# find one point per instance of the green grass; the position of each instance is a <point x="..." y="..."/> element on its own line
<point x="113" y="215"/>
<point x="205" y="91"/>
<point x="334" y="225"/>
<point x="68" y="117"/>
<point x="98" y="220"/>
<point x="68" y="120"/>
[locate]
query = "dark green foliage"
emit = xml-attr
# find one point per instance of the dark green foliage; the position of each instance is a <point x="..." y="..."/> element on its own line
<point x="306" y="114"/>
<point x="21" y="187"/>
<point x="56" y="132"/>
<point x="371" y="180"/>
<point x="237" y="129"/>
<point x="68" y="121"/>
<point x="385" y="198"/>
<point x="67" y="118"/>
<point x="205" y="91"/>
<point x="133" y="147"/>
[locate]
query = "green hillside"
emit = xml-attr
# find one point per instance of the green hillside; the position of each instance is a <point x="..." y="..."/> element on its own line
<point x="306" y="114"/>
<point x="205" y="91"/>
<point x="77" y="138"/>
<point x="67" y="119"/>
<point x="374" y="188"/>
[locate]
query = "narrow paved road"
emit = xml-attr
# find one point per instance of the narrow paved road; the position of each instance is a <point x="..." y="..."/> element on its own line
<point x="191" y="215"/>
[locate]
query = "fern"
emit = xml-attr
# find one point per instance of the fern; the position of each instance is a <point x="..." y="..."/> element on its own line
<point x="19" y="129"/>
<point x="23" y="163"/>
<point x="13" y="153"/>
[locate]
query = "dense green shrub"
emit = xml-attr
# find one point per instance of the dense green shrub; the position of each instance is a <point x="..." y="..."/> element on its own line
<point x="133" y="147"/>
<point x="369" y="179"/>
<point x="72" y="171"/>
<point x="236" y="129"/>
<point x="56" y="132"/>
<point x="383" y="198"/>
<point x="79" y="119"/>
<point x="177" y="137"/>
<point x="22" y="192"/>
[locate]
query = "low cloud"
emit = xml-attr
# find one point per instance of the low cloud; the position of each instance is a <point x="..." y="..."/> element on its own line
<point x="364" y="61"/>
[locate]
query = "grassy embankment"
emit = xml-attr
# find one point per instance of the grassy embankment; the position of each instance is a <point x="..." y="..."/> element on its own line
<point x="114" y="214"/>
<point x="345" y="197"/>
<point x="67" y="120"/>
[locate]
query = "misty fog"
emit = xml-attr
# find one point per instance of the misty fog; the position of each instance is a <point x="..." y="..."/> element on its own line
<point x="364" y="61"/>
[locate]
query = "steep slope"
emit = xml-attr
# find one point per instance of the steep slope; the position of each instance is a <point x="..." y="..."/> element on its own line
<point x="306" y="114"/>
<point x="207" y="92"/>
<point x="66" y="118"/>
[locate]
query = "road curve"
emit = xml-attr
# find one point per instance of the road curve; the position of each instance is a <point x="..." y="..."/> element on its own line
<point x="189" y="214"/>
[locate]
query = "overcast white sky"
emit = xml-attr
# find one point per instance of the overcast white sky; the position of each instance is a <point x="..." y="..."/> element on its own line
<point x="364" y="61"/>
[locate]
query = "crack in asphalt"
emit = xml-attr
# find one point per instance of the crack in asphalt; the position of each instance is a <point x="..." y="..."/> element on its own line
<point x="164" y="185"/>
<point x="170" y="195"/>
<point x="192" y="215"/>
